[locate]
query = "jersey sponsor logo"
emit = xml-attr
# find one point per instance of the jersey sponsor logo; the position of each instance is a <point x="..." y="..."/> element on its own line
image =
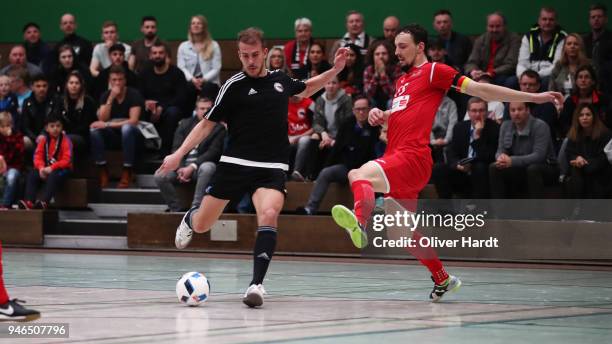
<point x="252" y="92"/>
<point x="402" y="89"/>
<point x="400" y="103"/>
<point x="278" y="87"/>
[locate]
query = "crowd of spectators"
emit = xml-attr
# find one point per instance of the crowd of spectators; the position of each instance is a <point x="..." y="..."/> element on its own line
<point x="142" y="95"/>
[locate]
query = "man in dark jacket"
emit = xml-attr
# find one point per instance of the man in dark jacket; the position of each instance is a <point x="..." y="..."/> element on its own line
<point x="354" y="146"/>
<point x="35" y="110"/>
<point x="598" y="45"/>
<point x="201" y="160"/>
<point x="468" y="155"/>
<point x="458" y="47"/>
<point x="163" y="87"/>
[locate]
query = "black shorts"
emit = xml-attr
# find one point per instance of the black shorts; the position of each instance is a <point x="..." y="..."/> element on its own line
<point x="231" y="181"/>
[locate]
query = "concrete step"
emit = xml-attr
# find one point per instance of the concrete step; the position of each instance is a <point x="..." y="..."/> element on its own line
<point x="91" y="242"/>
<point x="88" y="227"/>
<point x="146" y="181"/>
<point x="120" y="210"/>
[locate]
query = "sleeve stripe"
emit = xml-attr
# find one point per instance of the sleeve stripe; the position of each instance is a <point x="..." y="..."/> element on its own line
<point x="225" y="87"/>
<point x="433" y="66"/>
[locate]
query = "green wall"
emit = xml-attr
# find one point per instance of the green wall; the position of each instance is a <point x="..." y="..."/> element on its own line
<point x="276" y="17"/>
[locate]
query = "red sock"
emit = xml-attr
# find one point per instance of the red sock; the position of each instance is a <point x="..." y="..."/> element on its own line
<point x="363" y="194"/>
<point x="3" y="295"/>
<point x="428" y="257"/>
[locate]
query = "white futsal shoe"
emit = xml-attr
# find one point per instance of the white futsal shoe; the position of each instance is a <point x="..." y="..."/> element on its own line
<point x="254" y="295"/>
<point x="184" y="233"/>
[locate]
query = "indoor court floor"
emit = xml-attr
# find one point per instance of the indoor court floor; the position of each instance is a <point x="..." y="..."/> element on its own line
<point x="130" y="298"/>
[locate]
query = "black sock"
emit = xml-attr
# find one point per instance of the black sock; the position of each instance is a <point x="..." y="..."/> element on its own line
<point x="262" y="254"/>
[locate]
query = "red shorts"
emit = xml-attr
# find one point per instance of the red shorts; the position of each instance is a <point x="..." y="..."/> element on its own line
<point x="406" y="173"/>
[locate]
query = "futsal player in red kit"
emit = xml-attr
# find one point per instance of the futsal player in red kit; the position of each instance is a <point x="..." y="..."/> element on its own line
<point x="405" y="168"/>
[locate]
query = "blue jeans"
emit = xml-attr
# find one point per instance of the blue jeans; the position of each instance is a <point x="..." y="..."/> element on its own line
<point x="10" y="187"/>
<point x="128" y="138"/>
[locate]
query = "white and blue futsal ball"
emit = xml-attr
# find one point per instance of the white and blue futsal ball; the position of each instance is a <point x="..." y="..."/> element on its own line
<point x="193" y="289"/>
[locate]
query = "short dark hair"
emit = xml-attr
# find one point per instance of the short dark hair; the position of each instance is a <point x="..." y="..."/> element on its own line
<point x="116" y="47"/>
<point x="360" y="97"/>
<point x="436" y="43"/>
<point x="600" y="7"/>
<point x="148" y="18"/>
<point x="114" y="69"/>
<point x="29" y="25"/>
<point x="476" y="100"/>
<point x="530" y="73"/>
<point x="418" y="33"/>
<point x="53" y="117"/>
<point x="251" y="36"/>
<point x="39" y="77"/>
<point x="441" y="12"/>
<point x="158" y="44"/>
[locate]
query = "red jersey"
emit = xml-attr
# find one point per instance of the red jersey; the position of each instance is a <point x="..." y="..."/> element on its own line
<point x="298" y="118"/>
<point x="418" y="94"/>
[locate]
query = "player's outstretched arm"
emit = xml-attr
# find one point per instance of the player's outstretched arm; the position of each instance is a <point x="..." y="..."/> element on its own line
<point x="197" y="135"/>
<point x="314" y="84"/>
<point x="490" y="92"/>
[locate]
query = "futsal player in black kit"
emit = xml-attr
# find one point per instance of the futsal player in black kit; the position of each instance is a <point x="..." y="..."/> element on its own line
<point x="254" y="105"/>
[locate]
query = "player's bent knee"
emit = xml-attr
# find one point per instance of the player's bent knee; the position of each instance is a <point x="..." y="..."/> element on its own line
<point x="268" y="216"/>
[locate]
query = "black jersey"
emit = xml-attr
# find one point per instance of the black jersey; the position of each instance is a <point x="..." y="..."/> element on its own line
<point x="255" y="110"/>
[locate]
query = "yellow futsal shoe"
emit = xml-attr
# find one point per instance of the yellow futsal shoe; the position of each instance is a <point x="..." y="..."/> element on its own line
<point x="346" y="219"/>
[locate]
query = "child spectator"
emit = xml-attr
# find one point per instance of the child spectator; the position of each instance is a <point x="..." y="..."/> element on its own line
<point x="8" y="101"/>
<point x="299" y="120"/>
<point x="11" y="158"/>
<point x="52" y="164"/>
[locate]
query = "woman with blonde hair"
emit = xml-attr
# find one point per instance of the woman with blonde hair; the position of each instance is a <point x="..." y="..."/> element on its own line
<point x="572" y="57"/>
<point x="276" y="59"/>
<point x="200" y="56"/>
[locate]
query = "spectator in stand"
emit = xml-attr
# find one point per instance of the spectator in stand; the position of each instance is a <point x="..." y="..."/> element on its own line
<point x="117" y="126"/>
<point x="331" y="109"/>
<point x="37" y="51"/>
<point x="437" y="53"/>
<point x="200" y="56"/>
<point x="141" y="48"/>
<point x="355" y="34"/>
<point x="391" y="26"/>
<point x="117" y="58"/>
<point x="316" y="64"/>
<point x="163" y="88"/>
<point x="590" y="172"/>
<point x="380" y="74"/>
<point x="598" y="42"/>
<point x="18" y="58"/>
<point x="52" y="165"/>
<point x="67" y="64"/>
<point x="20" y="87"/>
<point x="585" y="91"/>
<point x="525" y="156"/>
<point x="530" y="82"/>
<point x="296" y="51"/>
<point x="598" y="45"/>
<point x="354" y="146"/>
<point x="101" y="54"/>
<point x="35" y="111"/>
<point x="495" y="52"/>
<point x="572" y="57"/>
<point x="299" y="120"/>
<point x="202" y="159"/>
<point x="442" y="129"/>
<point x="276" y="59"/>
<point x="495" y="109"/>
<point x="77" y="111"/>
<point x="457" y="46"/>
<point x="8" y="101"/>
<point x="81" y="46"/>
<point x="469" y="154"/>
<point x="351" y="77"/>
<point x="11" y="159"/>
<point x="540" y="48"/>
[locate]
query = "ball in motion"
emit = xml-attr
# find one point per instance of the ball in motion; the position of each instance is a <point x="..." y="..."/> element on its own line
<point x="193" y="289"/>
